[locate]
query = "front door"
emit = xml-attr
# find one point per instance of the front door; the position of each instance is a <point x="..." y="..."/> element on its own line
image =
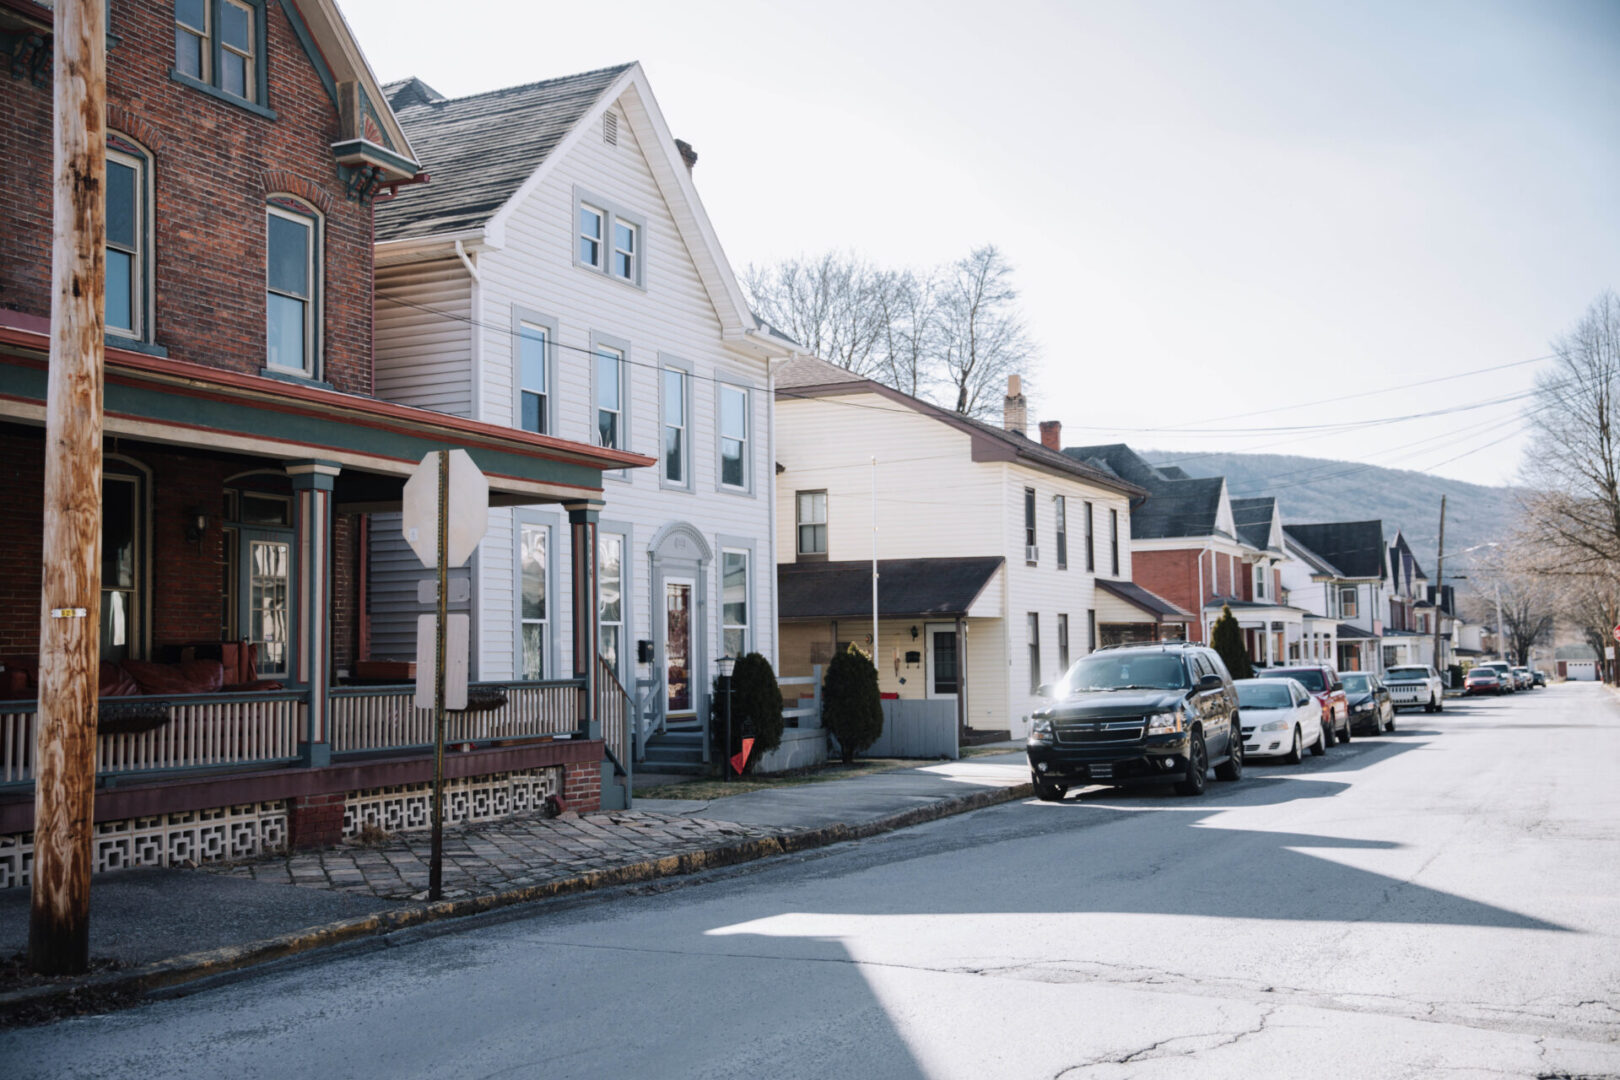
<point x="679" y="651"/>
<point x="264" y="593"/>
<point x="943" y="660"/>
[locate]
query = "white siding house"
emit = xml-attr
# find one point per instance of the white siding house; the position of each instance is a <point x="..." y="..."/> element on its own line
<point x="559" y="274"/>
<point x="963" y="518"/>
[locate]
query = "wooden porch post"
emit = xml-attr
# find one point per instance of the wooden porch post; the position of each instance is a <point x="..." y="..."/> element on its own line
<point x="312" y="483"/>
<point x="70" y="619"/>
<point x="582" y="520"/>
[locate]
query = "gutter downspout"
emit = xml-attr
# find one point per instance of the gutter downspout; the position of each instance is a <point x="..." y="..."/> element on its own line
<point x="475" y="411"/>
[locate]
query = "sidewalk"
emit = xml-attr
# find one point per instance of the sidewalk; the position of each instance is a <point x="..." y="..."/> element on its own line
<point x="159" y="927"/>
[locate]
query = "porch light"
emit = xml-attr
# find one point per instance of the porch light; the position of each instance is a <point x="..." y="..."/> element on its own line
<point x="196" y="524"/>
<point x="726" y="664"/>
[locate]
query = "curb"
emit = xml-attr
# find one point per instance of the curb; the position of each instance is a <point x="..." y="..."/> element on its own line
<point x="189" y="967"/>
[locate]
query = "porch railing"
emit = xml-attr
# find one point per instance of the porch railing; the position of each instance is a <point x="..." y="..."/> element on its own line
<point x="203" y="731"/>
<point x="367" y="718"/>
<point x="614" y="709"/>
<point x="805" y="710"/>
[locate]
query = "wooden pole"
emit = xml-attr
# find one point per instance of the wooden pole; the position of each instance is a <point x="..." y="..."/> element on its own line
<point x="1439" y="590"/>
<point x="70" y="618"/>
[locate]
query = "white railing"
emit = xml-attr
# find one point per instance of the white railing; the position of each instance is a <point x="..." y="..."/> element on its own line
<point x="613" y="708"/>
<point x="806" y="712"/>
<point x="202" y="731"/>
<point x="386" y="717"/>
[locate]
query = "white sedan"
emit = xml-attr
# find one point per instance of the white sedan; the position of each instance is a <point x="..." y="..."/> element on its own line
<point x="1280" y="719"/>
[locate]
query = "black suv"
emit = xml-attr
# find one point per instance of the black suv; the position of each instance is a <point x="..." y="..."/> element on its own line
<point x="1138" y="714"/>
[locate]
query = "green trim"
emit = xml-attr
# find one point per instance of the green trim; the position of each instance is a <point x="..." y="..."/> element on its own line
<point x="161" y="404"/>
<point x="215" y="92"/>
<point x="370" y="151"/>
<point x="302" y="33"/>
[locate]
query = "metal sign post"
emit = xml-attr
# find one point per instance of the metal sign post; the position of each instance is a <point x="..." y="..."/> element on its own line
<point x="445" y="514"/>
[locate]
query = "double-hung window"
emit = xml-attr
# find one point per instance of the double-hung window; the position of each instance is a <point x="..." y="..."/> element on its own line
<point x="626" y="255"/>
<point x="1061" y="510"/>
<point x="677" y="429"/>
<point x="533" y="344"/>
<point x="1113" y="541"/>
<point x="734" y="602"/>
<point x="609" y="239"/>
<point x="1091" y="540"/>
<point x="610" y="591"/>
<point x="609" y="397"/>
<point x="733" y="437"/>
<point x="532" y="610"/>
<point x="127" y="221"/>
<point x="1349" y="605"/>
<point x="591" y="224"/>
<point x="1063" y="644"/>
<point x="292" y="288"/>
<point x="1034" y="631"/>
<point x="219" y="46"/>
<point x="1259" y="581"/>
<point x="812" y="521"/>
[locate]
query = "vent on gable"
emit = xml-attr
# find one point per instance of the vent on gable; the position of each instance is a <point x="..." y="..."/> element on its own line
<point x="610" y="128"/>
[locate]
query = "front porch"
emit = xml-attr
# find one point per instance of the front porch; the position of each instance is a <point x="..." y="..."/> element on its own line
<point x="1272" y="633"/>
<point x="234" y="619"/>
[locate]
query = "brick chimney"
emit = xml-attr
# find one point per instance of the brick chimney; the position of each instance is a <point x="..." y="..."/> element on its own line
<point x="1014" y="411"/>
<point x="1052" y="434"/>
<point x="688" y="154"/>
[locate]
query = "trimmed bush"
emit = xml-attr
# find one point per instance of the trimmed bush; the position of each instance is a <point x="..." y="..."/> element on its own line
<point x="1227" y="641"/>
<point x="851" y="705"/>
<point x="756" y="712"/>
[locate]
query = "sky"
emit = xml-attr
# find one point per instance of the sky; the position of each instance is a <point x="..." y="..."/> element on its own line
<point x="1241" y="226"/>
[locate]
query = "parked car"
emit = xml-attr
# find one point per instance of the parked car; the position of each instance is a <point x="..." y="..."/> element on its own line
<point x="1280" y="719"/>
<point x="1482" y="680"/>
<point x="1323" y="683"/>
<point x="1523" y="678"/>
<point x="1504" y="673"/>
<point x="1131" y="714"/>
<point x="1372" y="704"/>
<point x="1538" y="677"/>
<point x="1411" y="685"/>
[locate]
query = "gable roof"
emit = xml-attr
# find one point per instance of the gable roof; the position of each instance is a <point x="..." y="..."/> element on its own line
<point x="479" y="150"/>
<point x="1253" y="518"/>
<point x="1356" y="548"/>
<point x="811" y="377"/>
<point x="907" y="588"/>
<point x="1176" y="506"/>
<point x="1129" y="591"/>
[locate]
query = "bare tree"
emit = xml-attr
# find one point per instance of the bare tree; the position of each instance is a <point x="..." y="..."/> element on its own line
<point x="1516" y="579"/>
<point x="983" y="338"/>
<point x="1590" y="603"/>
<point x="835" y="305"/>
<point x="1572" y="466"/>
<point x="909" y="304"/>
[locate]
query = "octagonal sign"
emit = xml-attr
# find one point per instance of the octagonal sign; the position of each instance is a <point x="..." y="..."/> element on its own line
<point x="468" y="509"/>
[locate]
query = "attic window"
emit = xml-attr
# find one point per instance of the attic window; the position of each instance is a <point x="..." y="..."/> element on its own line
<point x="610" y="128"/>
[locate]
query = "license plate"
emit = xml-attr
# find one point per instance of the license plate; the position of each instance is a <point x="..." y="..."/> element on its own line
<point x="1102" y="772"/>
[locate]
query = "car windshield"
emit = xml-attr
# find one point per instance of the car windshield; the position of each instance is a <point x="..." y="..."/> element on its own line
<point x="1121" y="671"/>
<point x="1311" y="678"/>
<point x="1398" y="673"/>
<point x="1482" y="673"/>
<point x="1356" y="684"/>
<point x="1261" y="695"/>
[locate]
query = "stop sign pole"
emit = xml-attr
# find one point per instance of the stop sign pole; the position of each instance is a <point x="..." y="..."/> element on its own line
<point x="454" y="523"/>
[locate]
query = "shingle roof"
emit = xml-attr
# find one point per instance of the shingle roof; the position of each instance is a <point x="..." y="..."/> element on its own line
<point x="907" y="588"/>
<point x="1152" y="603"/>
<point x="1349" y="630"/>
<point x="479" y="150"/>
<point x="1575" y="652"/>
<point x="1355" y="547"/>
<point x="1176" y="506"/>
<point x="812" y="371"/>
<point x="1252" y="518"/>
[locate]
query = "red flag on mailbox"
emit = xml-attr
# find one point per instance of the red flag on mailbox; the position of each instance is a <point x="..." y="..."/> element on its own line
<point x="739" y="760"/>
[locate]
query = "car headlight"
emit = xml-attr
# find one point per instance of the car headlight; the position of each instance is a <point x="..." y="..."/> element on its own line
<point x="1165" y="723"/>
<point x="1276" y="725"/>
<point x="1041" y="732"/>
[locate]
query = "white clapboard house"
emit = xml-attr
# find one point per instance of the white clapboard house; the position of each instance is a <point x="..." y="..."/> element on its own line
<point x="559" y="274"/>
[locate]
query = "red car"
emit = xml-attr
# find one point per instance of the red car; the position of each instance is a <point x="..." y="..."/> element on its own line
<point x="1482" y="680"/>
<point x="1323" y="683"/>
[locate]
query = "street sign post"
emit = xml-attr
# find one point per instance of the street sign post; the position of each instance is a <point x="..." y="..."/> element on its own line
<point x="445" y="514"/>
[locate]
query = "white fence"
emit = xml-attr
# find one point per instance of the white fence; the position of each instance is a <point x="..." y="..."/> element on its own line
<point x="386" y="717"/>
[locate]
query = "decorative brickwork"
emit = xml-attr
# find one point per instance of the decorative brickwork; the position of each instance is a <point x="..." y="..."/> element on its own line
<point x="409" y="807"/>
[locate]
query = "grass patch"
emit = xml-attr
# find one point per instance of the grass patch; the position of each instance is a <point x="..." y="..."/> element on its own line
<point x="706" y="788"/>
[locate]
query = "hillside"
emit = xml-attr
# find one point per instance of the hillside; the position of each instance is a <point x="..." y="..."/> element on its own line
<point x="1317" y="489"/>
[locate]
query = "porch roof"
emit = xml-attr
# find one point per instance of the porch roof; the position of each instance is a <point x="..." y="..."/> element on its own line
<point x="907" y="588"/>
<point x="177" y="402"/>
<point x="1153" y="604"/>
<point x="1348" y="631"/>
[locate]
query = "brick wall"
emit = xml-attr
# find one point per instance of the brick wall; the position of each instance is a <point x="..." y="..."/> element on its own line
<point x="1174" y="576"/>
<point x="315" y="820"/>
<point x="582" y="786"/>
<point x="213" y="164"/>
<point x="22" y="478"/>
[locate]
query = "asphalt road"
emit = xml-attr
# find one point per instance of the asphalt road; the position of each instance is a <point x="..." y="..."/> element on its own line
<point x="1439" y="902"/>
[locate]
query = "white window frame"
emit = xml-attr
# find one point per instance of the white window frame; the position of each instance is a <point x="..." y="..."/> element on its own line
<point x="250" y="74"/>
<point x="611" y="215"/>
<point x="1060" y="513"/>
<point x="616" y="627"/>
<point x="132" y="156"/>
<point x="1259" y="580"/>
<point x="1063" y="643"/>
<point x="524" y="323"/>
<point x="633" y="253"/>
<point x="530" y="523"/>
<point x="309" y="218"/>
<point x="800" y="524"/>
<point x="602" y="344"/>
<point x="721" y="438"/>
<point x="1032" y="626"/>
<point x="669" y="366"/>
<point x="1353" y="611"/>
<point x="1113" y="540"/>
<point x="581" y="237"/>
<point x="746" y="627"/>
<point x="205" y="40"/>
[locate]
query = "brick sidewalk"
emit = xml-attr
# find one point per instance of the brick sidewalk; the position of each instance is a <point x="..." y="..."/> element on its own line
<point x="525" y="850"/>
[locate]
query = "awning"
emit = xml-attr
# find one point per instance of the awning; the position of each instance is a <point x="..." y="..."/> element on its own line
<point x="907" y="588"/>
<point x="1150" y="603"/>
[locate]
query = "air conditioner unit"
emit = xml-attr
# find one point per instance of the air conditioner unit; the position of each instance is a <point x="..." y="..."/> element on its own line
<point x="1032" y="553"/>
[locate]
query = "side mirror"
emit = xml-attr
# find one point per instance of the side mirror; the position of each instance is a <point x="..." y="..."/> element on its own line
<point x="1211" y="681"/>
<point x="1338" y="686"/>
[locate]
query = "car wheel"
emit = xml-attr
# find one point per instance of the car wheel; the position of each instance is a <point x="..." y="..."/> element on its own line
<point x="1197" y="767"/>
<point x="1390" y="724"/>
<point x="1232" y="767"/>
<point x="1344" y="736"/>
<point x="1048" y="790"/>
<point x="1319" y="747"/>
<point x="1439" y="706"/>
<point x="1297" y="753"/>
<point x="1330" y="734"/>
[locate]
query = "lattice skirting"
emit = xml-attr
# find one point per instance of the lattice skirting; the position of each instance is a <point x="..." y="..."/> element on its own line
<point x="473" y="799"/>
<point x="194" y="836"/>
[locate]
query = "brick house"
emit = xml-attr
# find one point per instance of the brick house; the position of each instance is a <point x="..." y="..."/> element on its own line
<point x="244" y="450"/>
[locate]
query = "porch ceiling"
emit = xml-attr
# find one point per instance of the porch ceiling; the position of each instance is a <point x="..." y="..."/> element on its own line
<point x="184" y="404"/>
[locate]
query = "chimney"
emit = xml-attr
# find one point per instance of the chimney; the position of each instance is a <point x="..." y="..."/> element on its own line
<point x="1052" y="434"/>
<point x="1014" y="413"/>
<point x="688" y="154"/>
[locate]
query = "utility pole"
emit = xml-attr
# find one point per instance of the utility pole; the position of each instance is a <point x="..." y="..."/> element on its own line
<point x="874" y="568"/>
<point x="1440" y="591"/>
<point x="70" y="616"/>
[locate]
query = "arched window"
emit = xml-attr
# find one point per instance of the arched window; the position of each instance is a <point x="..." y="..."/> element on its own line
<point x="293" y="246"/>
<point x="129" y="239"/>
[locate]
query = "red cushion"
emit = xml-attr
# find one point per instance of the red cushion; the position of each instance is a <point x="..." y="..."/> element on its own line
<point x="116" y="682"/>
<point x="188" y="677"/>
<point x="14" y="685"/>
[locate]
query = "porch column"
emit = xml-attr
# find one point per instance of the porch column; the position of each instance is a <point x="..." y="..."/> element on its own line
<point x="582" y="522"/>
<point x="961" y="679"/>
<point x="312" y="598"/>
